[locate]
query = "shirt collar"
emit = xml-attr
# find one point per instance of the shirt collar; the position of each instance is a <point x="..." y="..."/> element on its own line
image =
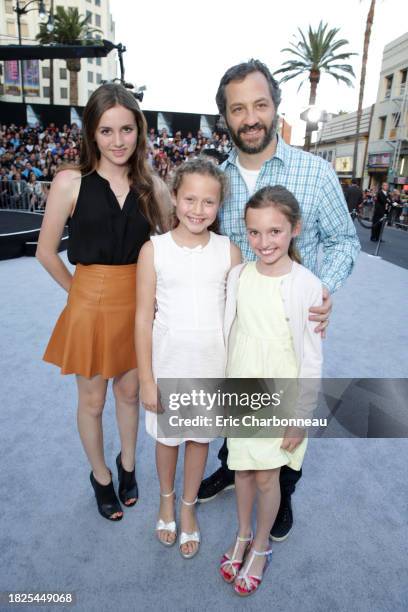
<point x="281" y="153"/>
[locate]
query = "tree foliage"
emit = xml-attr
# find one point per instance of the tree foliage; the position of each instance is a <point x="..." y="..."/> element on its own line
<point x="70" y="28"/>
<point x="317" y="52"/>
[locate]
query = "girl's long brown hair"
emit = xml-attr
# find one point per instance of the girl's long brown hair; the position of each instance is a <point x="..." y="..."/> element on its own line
<point x="281" y="198"/>
<point x="140" y="175"/>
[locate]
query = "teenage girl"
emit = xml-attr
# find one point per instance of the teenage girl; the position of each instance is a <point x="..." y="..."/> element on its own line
<point x="267" y="308"/>
<point x="181" y="280"/>
<point x="111" y="205"/>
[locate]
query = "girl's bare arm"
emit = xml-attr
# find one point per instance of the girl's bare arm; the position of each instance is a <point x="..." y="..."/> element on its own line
<point x="60" y="205"/>
<point x="145" y="300"/>
<point x="236" y="256"/>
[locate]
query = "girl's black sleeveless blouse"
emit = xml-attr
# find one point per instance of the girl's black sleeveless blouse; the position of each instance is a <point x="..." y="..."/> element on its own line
<point x="100" y="232"/>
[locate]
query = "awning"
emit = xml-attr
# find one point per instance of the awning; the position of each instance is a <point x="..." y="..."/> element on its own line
<point x="55" y="51"/>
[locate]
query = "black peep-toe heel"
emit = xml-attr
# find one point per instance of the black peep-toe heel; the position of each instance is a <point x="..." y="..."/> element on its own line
<point x="108" y="503"/>
<point x="127" y="484"/>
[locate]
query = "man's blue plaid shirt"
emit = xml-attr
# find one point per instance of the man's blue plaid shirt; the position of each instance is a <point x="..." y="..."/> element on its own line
<point x="325" y="217"/>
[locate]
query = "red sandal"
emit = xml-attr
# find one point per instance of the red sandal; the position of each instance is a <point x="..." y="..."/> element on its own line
<point x="251" y="582"/>
<point x="233" y="563"/>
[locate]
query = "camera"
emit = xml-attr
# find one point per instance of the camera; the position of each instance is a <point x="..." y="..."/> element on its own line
<point x="138" y="92"/>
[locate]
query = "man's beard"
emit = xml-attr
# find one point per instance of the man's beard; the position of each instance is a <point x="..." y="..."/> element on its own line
<point x="269" y="134"/>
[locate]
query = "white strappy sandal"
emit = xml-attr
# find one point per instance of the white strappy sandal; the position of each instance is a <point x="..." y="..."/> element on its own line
<point x="251" y="582"/>
<point x="232" y="563"/>
<point x="170" y="526"/>
<point x="189" y="537"/>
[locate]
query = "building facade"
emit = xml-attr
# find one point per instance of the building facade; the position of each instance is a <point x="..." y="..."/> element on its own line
<point x="335" y="143"/>
<point x="284" y="129"/>
<point x="388" y="142"/>
<point x="382" y="153"/>
<point x="37" y="89"/>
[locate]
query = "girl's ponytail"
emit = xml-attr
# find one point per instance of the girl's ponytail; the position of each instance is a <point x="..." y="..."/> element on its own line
<point x="293" y="252"/>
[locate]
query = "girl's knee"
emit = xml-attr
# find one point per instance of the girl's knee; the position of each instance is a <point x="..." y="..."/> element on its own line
<point x="195" y="444"/>
<point x="266" y="479"/>
<point x="126" y="391"/>
<point x="91" y="403"/>
<point x="244" y="474"/>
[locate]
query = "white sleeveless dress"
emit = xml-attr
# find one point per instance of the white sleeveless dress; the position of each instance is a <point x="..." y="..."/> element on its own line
<point x="188" y="337"/>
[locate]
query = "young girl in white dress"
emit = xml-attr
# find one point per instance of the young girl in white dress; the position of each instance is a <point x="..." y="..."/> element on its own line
<point x="179" y="328"/>
<point x="271" y="336"/>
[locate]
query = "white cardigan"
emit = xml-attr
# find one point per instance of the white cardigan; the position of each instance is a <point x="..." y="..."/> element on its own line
<point x="300" y="290"/>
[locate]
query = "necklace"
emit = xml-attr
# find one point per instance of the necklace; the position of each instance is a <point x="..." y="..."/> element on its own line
<point x="117" y="195"/>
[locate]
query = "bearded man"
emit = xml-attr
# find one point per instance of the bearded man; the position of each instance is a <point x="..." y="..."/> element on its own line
<point x="248" y="98"/>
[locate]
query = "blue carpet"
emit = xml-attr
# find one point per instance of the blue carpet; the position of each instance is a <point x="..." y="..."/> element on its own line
<point x="347" y="550"/>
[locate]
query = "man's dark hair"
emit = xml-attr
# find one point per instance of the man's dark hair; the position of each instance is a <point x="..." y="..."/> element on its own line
<point x="238" y="73"/>
<point x="214" y="154"/>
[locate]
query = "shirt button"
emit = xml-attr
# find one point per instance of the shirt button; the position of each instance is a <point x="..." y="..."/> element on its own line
<point x="287" y="318"/>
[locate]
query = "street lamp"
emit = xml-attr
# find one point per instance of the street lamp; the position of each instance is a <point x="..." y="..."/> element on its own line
<point x="323" y="119"/>
<point x="50" y="24"/>
<point x="313" y="115"/>
<point x="22" y="10"/>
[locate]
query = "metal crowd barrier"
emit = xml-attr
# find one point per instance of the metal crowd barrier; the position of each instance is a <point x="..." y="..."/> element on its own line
<point x="20" y="195"/>
<point x="368" y="211"/>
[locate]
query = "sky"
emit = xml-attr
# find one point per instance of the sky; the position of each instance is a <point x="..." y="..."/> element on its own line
<point x="179" y="50"/>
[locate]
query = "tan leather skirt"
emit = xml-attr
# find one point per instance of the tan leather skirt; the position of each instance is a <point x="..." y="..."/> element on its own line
<point x="95" y="332"/>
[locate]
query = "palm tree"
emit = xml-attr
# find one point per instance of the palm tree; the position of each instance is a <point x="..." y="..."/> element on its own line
<point x="316" y="53"/>
<point x="369" y="23"/>
<point x="69" y="28"/>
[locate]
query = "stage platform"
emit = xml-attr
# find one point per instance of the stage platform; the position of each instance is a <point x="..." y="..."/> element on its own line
<point x="19" y="231"/>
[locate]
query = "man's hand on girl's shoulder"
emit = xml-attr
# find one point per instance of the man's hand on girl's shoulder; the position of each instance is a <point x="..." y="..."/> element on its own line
<point x="322" y="313"/>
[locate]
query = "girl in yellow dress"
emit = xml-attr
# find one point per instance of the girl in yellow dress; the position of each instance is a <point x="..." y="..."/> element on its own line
<point x="270" y="336"/>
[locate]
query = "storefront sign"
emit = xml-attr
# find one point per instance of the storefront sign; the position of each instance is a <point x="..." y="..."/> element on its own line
<point x="379" y="160"/>
<point x="31" y="77"/>
<point x="12" y="81"/>
<point x="12" y="78"/>
<point x="344" y="164"/>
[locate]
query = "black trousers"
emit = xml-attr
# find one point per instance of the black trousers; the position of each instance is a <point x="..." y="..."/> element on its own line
<point x="376" y="229"/>
<point x="288" y="477"/>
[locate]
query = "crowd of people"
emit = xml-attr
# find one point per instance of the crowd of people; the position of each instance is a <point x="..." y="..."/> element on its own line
<point x="30" y="157"/>
<point x="166" y="153"/>
<point x="366" y="201"/>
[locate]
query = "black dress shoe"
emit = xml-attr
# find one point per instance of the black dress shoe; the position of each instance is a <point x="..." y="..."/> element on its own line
<point x="283" y="522"/>
<point x="108" y="503"/>
<point x="127" y="484"/>
<point x="222" y="480"/>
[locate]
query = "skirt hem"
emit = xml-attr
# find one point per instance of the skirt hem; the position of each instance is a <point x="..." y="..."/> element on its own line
<point x="241" y="467"/>
<point x="106" y="375"/>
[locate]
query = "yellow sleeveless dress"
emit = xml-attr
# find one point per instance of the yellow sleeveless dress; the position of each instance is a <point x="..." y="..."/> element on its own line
<point x="261" y="346"/>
